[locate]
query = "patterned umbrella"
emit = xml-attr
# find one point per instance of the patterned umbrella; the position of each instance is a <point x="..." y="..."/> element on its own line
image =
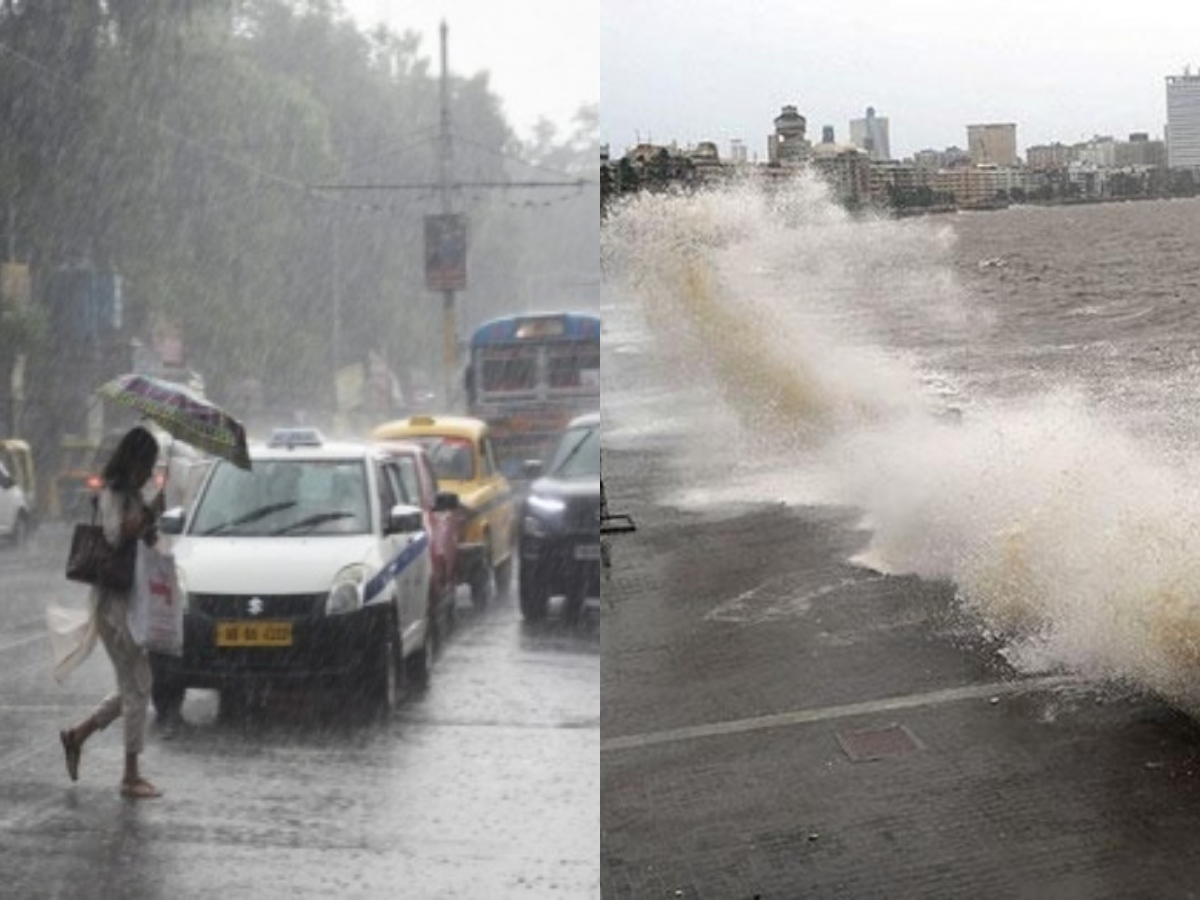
<point x="182" y="414"/>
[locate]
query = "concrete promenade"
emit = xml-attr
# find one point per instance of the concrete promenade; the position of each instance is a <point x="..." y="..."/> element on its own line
<point x="779" y="724"/>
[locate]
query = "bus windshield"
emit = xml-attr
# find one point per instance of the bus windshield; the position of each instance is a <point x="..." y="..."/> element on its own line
<point x="528" y="376"/>
<point x="539" y="356"/>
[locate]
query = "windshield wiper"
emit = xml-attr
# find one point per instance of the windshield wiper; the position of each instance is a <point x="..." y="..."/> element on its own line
<point x="254" y="515"/>
<point x="313" y="521"/>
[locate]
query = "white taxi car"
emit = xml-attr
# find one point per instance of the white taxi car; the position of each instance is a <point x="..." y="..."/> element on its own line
<point x="307" y="569"/>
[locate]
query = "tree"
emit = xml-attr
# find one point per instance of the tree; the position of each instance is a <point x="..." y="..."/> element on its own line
<point x="181" y="145"/>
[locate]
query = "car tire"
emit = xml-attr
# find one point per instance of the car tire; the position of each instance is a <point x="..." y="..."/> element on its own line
<point x="535" y="597"/>
<point x="380" y="675"/>
<point x="481" y="578"/>
<point x="167" y="697"/>
<point x="502" y="576"/>
<point x="419" y="665"/>
<point x="573" y="604"/>
<point x="20" y="531"/>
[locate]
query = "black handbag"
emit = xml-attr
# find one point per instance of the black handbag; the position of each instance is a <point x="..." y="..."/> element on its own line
<point x="93" y="560"/>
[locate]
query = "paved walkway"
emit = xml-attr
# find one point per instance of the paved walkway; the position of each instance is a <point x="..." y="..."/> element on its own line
<point x="779" y="724"/>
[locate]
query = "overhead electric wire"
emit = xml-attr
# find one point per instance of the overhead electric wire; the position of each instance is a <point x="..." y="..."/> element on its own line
<point x="319" y="192"/>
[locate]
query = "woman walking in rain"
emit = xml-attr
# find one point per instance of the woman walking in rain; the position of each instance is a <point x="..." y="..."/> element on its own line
<point x="125" y="516"/>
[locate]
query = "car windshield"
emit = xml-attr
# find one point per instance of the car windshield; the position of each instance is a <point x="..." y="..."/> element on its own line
<point x="577" y="454"/>
<point x="285" y="498"/>
<point x="453" y="458"/>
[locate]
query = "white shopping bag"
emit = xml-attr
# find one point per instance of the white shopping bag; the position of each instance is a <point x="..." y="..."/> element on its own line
<point x="155" y="613"/>
<point x="72" y="635"/>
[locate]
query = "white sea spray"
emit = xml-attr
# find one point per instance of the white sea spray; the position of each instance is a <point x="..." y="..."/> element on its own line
<point x="799" y="351"/>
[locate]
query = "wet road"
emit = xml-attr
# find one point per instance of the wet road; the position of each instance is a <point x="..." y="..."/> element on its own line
<point x="780" y="724"/>
<point x="485" y="785"/>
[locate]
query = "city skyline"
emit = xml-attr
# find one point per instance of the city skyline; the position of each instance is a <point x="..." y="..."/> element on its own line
<point x="704" y="71"/>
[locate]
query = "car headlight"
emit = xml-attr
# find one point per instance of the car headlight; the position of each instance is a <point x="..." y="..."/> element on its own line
<point x="346" y="595"/>
<point x="543" y="515"/>
<point x="546" y="506"/>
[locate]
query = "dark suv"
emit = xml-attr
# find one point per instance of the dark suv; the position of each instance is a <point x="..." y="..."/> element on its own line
<point x="560" y="523"/>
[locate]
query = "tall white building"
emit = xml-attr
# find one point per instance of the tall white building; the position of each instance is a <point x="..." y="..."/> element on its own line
<point x="1183" y="121"/>
<point x="871" y="134"/>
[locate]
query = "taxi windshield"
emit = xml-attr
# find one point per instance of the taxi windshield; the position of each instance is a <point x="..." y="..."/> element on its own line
<point x="285" y="498"/>
<point x="453" y="458"/>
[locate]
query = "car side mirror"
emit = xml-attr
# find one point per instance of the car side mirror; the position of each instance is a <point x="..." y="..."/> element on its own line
<point x="533" y="468"/>
<point x="172" y="521"/>
<point x="446" y="501"/>
<point x="6" y="480"/>
<point x="404" y="519"/>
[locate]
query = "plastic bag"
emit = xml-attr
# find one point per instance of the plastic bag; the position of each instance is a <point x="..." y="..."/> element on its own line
<point x="155" y="612"/>
<point x="72" y="635"/>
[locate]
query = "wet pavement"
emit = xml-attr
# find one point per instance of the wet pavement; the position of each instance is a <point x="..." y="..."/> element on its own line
<point x="779" y="724"/>
<point x="487" y="784"/>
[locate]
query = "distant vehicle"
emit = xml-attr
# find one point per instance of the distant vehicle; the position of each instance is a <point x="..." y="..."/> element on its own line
<point x="560" y="524"/>
<point x="16" y="510"/>
<point x="310" y="569"/>
<point x="464" y="462"/>
<point x="528" y="375"/>
<point x="180" y="468"/>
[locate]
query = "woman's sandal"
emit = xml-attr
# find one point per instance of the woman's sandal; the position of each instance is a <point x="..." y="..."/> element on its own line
<point x="140" y="789"/>
<point x="72" y="750"/>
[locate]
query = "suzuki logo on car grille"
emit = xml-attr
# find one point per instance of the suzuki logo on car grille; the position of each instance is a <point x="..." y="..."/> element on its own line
<point x="255" y="606"/>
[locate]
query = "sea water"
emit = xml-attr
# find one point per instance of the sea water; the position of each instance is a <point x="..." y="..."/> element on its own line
<point x="1011" y="399"/>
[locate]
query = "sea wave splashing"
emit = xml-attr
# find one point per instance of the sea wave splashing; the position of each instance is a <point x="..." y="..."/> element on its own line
<point x="815" y="332"/>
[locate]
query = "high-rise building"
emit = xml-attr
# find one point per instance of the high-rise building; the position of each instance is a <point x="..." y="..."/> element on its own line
<point x="1183" y="121"/>
<point x="992" y="144"/>
<point x="788" y="145"/>
<point x="871" y="134"/>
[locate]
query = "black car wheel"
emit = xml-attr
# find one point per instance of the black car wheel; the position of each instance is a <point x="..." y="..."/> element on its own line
<point x="502" y="576"/>
<point x="167" y="697"/>
<point x="573" y="604"/>
<point x="378" y="677"/>
<point x="535" y="596"/>
<point x="481" y="578"/>
<point x="419" y="665"/>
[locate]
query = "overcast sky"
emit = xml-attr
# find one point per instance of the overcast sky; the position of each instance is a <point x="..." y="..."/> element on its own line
<point x="542" y="56"/>
<point x="1061" y="70"/>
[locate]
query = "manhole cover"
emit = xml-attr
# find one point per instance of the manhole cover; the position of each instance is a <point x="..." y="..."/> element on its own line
<point x="878" y="743"/>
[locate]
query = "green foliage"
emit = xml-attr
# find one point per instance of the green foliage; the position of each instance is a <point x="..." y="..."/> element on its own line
<point x="203" y="150"/>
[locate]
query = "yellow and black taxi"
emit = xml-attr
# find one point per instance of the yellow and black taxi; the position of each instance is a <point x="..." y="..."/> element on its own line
<point x="560" y="524"/>
<point x="311" y="568"/>
<point x="464" y="461"/>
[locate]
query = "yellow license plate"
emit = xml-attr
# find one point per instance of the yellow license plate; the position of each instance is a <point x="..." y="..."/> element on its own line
<point x="254" y="634"/>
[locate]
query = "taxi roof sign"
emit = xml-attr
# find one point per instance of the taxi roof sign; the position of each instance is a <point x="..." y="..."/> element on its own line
<point x="296" y="437"/>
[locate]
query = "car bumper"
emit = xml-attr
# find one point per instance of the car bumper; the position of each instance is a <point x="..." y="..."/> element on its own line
<point x="323" y="650"/>
<point x="562" y="563"/>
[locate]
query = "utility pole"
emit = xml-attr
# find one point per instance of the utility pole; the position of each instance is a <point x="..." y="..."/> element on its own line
<point x="449" y="319"/>
<point x="336" y="285"/>
<point x="446" y="233"/>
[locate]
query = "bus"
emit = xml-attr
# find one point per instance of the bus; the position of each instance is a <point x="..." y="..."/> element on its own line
<point x="528" y="375"/>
